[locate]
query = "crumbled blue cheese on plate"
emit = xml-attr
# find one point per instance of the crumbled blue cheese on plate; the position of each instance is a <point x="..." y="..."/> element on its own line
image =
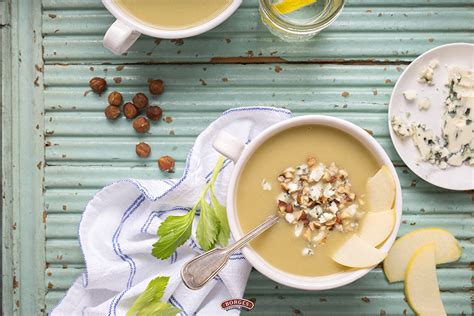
<point x="424" y="104"/>
<point x="409" y="95"/>
<point x="456" y="144"/>
<point x="400" y="127"/>
<point x="426" y="74"/>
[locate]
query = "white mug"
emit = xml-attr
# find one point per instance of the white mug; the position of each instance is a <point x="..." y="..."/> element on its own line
<point x="126" y="29"/>
<point x="236" y="150"/>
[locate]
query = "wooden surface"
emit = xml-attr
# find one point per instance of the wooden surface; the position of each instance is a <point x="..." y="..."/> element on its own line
<point x="237" y="64"/>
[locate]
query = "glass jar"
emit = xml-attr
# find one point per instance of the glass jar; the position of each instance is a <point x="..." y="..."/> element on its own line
<point x="302" y="24"/>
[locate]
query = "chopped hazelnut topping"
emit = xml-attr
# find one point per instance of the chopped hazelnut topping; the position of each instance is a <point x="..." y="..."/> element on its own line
<point x="317" y="199"/>
<point x="282" y="206"/>
<point x="311" y="161"/>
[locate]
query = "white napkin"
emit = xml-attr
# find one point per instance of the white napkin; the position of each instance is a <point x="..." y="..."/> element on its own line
<point x="118" y="228"/>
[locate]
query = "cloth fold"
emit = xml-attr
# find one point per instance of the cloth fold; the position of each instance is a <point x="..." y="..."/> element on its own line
<point x="119" y="224"/>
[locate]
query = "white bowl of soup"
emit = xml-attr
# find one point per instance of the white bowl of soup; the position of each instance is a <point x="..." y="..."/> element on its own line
<point x="277" y="252"/>
<point x="169" y="19"/>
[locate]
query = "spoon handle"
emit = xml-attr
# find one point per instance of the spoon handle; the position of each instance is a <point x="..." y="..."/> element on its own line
<point x="197" y="272"/>
<point x="269" y="222"/>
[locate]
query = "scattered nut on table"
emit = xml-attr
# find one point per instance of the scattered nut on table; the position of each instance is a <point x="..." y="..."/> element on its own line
<point x="156" y="87"/>
<point x="143" y="150"/>
<point x="130" y="110"/>
<point x="140" y="100"/>
<point x="98" y="85"/>
<point x="115" y="98"/>
<point x="112" y="112"/>
<point x="141" y="125"/>
<point x="154" y="112"/>
<point x="166" y="163"/>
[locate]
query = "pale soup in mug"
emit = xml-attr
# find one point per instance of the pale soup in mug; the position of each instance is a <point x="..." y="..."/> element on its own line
<point x="173" y="14"/>
<point x="255" y="201"/>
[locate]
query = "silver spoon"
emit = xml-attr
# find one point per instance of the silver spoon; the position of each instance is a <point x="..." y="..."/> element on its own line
<point x="197" y="272"/>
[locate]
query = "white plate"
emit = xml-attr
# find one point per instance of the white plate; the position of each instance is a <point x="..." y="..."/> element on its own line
<point x="458" y="54"/>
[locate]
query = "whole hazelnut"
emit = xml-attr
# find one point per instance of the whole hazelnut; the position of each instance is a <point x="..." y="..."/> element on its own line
<point x="156" y="87"/>
<point x="130" y="110"/>
<point x="141" y="125"/>
<point x="140" y="100"/>
<point x="154" y="112"/>
<point x="166" y="163"/>
<point x="143" y="150"/>
<point x="115" y="98"/>
<point x="112" y="112"/>
<point x="98" y="85"/>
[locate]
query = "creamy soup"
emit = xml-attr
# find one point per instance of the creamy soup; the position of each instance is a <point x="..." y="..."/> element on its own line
<point x="279" y="246"/>
<point x="173" y="14"/>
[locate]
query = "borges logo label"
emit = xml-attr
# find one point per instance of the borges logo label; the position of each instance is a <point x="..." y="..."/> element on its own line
<point x="237" y="303"/>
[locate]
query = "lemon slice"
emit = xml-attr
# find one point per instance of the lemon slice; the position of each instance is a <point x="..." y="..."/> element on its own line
<point x="288" y="6"/>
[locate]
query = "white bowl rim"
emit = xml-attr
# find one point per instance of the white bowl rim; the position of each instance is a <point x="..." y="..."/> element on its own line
<point x="136" y="25"/>
<point x="297" y="281"/>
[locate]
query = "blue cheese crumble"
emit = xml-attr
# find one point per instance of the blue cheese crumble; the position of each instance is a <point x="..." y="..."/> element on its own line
<point x="426" y="75"/>
<point x="424" y="104"/>
<point x="401" y="127"/>
<point x="410" y="95"/>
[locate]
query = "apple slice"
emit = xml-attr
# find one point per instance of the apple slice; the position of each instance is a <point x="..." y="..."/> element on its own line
<point x="446" y="246"/>
<point x="381" y="190"/>
<point x="357" y="253"/>
<point x="421" y="282"/>
<point x="377" y="226"/>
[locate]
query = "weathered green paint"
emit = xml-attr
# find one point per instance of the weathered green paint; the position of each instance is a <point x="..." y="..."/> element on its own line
<point x="3" y="23"/>
<point x="22" y="152"/>
<point x="8" y="262"/>
<point x="237" y="64"/>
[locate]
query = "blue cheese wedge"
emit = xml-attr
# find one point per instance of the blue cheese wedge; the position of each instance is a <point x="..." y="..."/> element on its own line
<point x="429" y="146"/>
<point x="458" y="130"/>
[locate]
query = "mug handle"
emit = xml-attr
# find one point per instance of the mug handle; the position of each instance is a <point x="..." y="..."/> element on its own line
<point x="119" y="37"/>
<point x="228" y="145"/>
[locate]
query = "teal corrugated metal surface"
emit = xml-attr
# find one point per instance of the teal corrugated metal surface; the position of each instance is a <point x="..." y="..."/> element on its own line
<point x="240" y="64"/>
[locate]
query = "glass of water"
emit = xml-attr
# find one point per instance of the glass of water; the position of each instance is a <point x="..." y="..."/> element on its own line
<point x="302" y="24"/>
